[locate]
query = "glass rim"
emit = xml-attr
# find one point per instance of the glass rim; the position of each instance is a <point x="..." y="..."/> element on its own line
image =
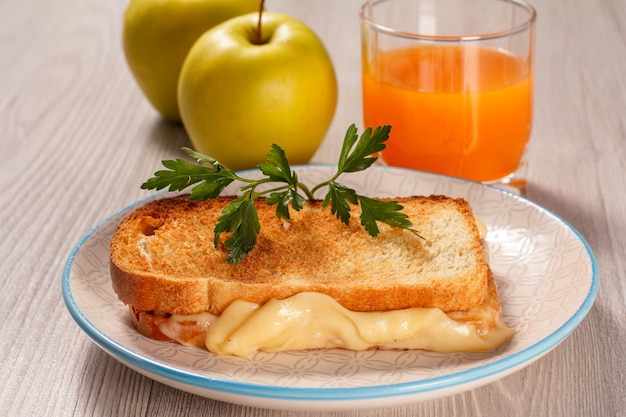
<point x="526" y="25"/>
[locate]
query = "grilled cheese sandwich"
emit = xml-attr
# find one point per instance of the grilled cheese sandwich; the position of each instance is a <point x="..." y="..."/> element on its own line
<point x="312" y="282"/>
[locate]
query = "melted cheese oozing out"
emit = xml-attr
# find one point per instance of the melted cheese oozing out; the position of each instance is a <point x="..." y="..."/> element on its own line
<point x="313" y="320"/>
<point x="189" y="329"/>
<point x="481" y="226"/>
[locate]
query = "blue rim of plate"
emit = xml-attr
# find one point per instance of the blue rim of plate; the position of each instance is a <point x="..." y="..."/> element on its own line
<point x="483" y="372"/>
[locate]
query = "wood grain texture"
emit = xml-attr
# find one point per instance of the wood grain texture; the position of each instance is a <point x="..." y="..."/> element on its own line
<point x="77" y="138"/>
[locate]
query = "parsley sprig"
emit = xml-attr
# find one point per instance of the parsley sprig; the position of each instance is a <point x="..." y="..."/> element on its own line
<point x="240" y="218"/>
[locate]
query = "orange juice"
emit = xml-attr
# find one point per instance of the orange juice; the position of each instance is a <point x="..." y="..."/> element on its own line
<point x="456" y="110"/>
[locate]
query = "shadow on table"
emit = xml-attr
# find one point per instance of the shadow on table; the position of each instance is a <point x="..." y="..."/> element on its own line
<point x="169" y="137"/>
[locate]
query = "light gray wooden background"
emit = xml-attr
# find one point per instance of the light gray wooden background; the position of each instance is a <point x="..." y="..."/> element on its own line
<point x="77" y="137"/>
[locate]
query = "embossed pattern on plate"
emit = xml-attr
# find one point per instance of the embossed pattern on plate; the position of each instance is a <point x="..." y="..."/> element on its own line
<point x="546" y="274"/>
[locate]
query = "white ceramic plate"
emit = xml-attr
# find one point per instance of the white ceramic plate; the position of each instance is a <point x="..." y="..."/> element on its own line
<point x="546" y="274"/>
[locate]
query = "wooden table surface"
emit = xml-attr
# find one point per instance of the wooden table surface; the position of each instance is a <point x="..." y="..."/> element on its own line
<point x="77" y="137"/>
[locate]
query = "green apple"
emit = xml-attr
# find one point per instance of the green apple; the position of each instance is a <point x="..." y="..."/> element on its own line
<point x="157" y="35"/>
<point x="238" y="94"/>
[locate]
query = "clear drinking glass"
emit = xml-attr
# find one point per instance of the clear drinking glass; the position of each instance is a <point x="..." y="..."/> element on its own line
<point x="454" y="79"/>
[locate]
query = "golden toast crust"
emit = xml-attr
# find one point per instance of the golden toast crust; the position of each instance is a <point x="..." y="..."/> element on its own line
<point x="163" y="259"/>
<point x="191" y="330"/>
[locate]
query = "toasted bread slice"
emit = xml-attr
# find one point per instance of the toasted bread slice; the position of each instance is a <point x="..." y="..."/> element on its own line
<point x="163" y="259"/>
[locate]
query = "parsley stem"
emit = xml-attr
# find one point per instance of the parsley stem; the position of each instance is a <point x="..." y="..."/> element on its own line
<point x="250" y="182"/>
<point x="253" y="183"/>
<point x="309" y="193"/>
<point x="325" y="183"/>
<point x="271" y="190"/>
<point x="318" y="186"/>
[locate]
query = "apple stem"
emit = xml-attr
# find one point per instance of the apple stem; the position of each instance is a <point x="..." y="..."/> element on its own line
<point x="258" y="28"/>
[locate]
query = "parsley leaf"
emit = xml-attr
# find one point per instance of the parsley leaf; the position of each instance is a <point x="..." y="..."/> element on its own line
<point x="277" y="167"/>
<point x="370" y="143"/>
<point x="340" y="198"/>
<point x="241" y="218"/>
<point x="385" y="211"/>
<point x="282" y="200"/>
<point x="181" y="174"/>
<point x="356" y="155"/>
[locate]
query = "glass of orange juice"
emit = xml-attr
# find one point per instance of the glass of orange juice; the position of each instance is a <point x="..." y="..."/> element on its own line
<point x="454" y="79"/>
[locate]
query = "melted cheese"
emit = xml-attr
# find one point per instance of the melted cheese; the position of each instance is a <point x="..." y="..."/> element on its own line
<point x="314" y="320"/>
<point x="481" y="226"/>
<point x="189" y="329"/>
